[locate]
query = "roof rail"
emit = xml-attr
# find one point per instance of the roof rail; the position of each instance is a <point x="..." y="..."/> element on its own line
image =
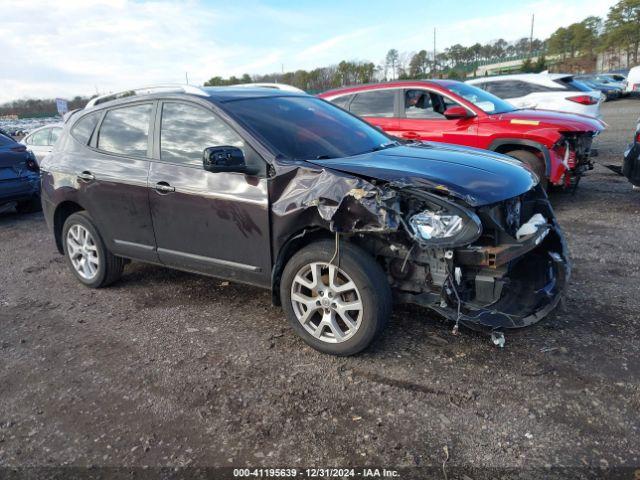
<point x="169" y="88"/>
<point x="275" y="86"/>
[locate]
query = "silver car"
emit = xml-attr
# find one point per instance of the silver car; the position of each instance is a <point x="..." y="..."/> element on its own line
<point x="42" y="140"/>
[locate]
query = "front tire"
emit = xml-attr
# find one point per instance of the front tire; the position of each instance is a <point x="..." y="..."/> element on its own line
<point x="338" y="306"/>
<point x="87" y="256"/>
<point x="535" y="163"/>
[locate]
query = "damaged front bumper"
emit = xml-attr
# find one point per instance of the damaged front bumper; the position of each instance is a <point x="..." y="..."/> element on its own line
<point x="511" y="283"/>
<point x="530" y="288"/>
<point x="631" y="163"/>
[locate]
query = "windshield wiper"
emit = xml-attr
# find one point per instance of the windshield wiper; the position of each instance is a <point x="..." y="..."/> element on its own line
<point x="324" y="157"/>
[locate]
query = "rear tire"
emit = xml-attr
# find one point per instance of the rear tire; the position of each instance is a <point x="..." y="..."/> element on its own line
<point x="535" y="163"/>
<point x="340" y="315"/>
<point x="29" y="206"/>
<point x="87" y="256"/>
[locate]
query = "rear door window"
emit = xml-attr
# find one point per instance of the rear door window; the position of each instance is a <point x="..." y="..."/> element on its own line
<point x="84" y="127"/>
<point x="508" y="88"/>
<point x="377" y="103"/>
<point x="125" y="130"/>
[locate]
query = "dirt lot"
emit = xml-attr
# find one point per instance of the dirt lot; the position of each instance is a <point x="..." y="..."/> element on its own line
<point x="166" y="368"/>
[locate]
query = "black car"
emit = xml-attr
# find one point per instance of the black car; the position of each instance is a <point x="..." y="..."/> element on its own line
<point x="291" y="193"/>
<point x="19" y="177"/>
<point x="631" y="164"/>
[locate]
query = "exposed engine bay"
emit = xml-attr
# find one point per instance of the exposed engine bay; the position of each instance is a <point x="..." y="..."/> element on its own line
<point x="504" y="269"/>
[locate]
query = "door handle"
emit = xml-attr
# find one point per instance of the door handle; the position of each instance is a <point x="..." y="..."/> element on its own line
<point x="86" y="176"/>
<point x="411" y="135"/>
<point x="164" y="187"/>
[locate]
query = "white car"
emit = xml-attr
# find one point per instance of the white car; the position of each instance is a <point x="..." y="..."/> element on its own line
<point x="544" y="91"/>
<point x="633" y="80"/>
<point x="41" y="140"/>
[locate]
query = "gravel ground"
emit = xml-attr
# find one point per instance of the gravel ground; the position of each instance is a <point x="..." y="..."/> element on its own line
<point x="172" y="369"/>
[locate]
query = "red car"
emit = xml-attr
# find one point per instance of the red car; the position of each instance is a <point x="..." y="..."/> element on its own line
<point x="555" y="145"/>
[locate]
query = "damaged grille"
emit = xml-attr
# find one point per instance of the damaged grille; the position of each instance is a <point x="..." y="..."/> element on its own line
<point x="512" y="210"/>
<point x="579" y="147"/>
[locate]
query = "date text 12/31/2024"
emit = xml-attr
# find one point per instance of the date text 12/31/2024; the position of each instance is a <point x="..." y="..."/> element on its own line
<point x="314" y="473"/>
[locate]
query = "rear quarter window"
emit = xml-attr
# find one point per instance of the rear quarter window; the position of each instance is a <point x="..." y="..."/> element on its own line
<point x="570" y="84"/>
<point x="84" y="127"/>
<point x="343" y="101"/>
<point x="378" y="103"/>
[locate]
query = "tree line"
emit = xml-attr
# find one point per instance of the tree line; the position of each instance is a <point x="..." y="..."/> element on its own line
<point x="43" y="107"/>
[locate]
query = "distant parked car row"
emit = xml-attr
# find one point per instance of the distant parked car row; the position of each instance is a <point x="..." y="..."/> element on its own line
<point x="550" y="91"/>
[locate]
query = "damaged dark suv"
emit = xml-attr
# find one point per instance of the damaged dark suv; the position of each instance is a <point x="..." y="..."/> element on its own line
<point x="289" y="192"/>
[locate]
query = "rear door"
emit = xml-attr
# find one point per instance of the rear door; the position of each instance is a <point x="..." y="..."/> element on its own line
<point x="422" y="118"/>
<point x="378" y="107"/>
<point x="210" y="222"/>
<point x="112" y="175"/>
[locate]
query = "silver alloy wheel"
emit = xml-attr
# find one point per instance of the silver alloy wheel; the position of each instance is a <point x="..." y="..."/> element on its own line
<point x="83" y="252"/>
<point x="326" y="302"/>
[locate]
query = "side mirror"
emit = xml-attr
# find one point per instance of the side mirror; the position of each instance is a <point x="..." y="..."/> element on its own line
<point x="224" y="159"/>
<point x="456" y="112"/>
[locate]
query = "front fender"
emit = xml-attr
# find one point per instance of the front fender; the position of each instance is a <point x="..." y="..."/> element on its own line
<point x="546" y="155"/>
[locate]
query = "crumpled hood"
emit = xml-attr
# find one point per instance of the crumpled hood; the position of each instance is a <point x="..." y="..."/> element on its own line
<point x="563" y="122"/>
<point x="478" y="177"/>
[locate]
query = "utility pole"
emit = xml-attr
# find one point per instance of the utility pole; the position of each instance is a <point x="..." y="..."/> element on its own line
<point x="533" y="16"/>
<point x="434" y="52"/>
<point x="186" y="77"/>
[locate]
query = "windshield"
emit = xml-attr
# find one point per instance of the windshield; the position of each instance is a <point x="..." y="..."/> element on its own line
<point x="307" y="128"/>
<point x="485" y="101"/>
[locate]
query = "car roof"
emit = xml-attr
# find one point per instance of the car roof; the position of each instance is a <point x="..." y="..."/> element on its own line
<point x="390" y="84"/>
<point x="227" y="94"/>
<point x="216" y="94"/>
<point x="277" y="86"/>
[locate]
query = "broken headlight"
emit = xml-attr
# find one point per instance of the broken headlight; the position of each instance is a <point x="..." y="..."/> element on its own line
<point x="435" y="222"/>
<point x="430" y="225"/>
<point x="449" y="228"/>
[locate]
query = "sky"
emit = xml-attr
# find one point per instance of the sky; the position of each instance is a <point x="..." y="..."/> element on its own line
<point x="64" y="48"/>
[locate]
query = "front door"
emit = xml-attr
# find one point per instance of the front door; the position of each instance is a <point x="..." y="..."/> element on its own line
<point x="423" y="118"/>
<point x="213" y="223"/>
